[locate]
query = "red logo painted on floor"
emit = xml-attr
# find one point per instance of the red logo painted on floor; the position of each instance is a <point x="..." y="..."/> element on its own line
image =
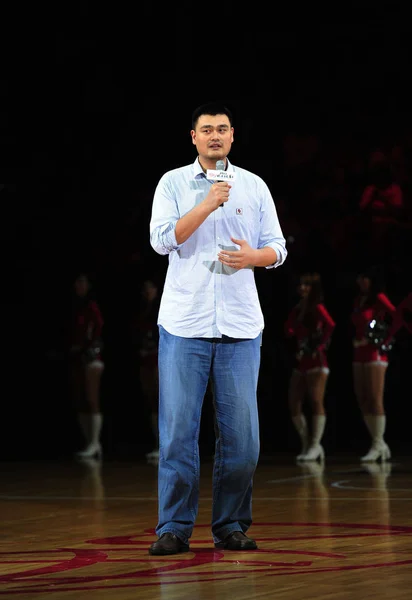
<point x="123" y="561"/>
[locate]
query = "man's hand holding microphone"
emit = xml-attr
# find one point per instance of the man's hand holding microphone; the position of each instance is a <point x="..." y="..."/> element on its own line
<point x="217" y="196"/>
<point x="219" y="192"/>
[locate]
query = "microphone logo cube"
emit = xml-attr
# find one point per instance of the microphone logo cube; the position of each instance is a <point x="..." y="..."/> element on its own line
<point x="214" y="175"/>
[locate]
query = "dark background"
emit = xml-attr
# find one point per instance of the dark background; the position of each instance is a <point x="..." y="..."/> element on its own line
<point x="96" y="105"/>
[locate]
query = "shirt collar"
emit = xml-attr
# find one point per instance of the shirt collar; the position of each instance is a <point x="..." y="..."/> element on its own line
<point x="198" y="171"/>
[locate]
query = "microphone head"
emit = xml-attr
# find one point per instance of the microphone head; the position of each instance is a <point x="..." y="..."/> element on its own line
<point x="220" y="165"/>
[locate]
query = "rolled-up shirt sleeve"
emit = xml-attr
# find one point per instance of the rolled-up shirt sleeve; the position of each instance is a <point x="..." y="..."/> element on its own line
<point x="271" y="234"/>
<point x="165" y="215"/>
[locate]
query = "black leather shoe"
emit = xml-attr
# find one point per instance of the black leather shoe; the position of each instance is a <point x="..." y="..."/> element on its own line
<point x="168" y="543"/>
<point x="237" y="540"/>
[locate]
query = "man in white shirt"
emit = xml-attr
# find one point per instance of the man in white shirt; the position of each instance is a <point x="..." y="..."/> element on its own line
<point x="210" y="325"/>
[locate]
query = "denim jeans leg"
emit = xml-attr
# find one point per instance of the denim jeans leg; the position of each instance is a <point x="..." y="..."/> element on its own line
<point x="235" y="373"/>
<point x="184" y="368"/>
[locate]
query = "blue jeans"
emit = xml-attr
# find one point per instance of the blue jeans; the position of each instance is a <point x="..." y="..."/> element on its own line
<point x="185" y="366"/>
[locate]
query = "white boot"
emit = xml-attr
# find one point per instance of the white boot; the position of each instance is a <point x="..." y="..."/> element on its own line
<point x="315" y="450"/>
<point x="93" y="448"/>
<point x="84" y="422"/>
<point x="379" y="448"/>
<point x="301" y="427"/>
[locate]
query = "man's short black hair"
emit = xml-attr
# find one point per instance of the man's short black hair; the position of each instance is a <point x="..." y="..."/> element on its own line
<point x="211" y="108"/>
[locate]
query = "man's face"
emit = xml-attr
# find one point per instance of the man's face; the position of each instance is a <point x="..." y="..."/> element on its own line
<point x="213" y="139"/>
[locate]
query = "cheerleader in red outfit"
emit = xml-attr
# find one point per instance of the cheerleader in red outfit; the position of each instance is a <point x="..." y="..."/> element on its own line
<point x="311" y="325"/>
<point x="371" y="306"/>
<point x="86" y="366"/>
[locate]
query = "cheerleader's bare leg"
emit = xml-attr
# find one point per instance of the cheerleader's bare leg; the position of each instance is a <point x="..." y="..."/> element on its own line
<point x="92" y="418"/>
<point x="360" y="388"/>
<point x="296" y="397"/>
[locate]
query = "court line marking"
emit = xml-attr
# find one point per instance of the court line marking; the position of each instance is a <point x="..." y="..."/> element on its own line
<point x="154" y="499"/>
<point x="335" y="484"/>
<point x="341" y="486"/>
<point x="324" y="473"/>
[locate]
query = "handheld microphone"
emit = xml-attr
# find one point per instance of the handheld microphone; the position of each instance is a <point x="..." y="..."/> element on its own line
<point x="219" y="174"/>
<point x="220" y="166"/>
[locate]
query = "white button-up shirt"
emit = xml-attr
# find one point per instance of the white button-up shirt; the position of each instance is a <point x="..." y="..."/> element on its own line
<point x="201" y="296"/>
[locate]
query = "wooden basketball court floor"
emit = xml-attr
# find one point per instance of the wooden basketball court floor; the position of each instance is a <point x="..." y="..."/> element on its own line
<point x="73" y="531"/>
